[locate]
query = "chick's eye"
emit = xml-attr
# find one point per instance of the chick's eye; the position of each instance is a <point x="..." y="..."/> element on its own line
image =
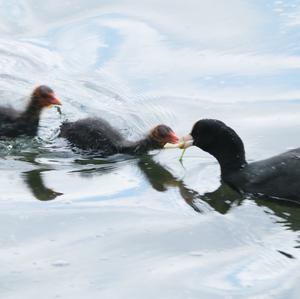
<point x="164" y="131"/>
<point x="45" y="91"/>
<point x="44" y="95"/>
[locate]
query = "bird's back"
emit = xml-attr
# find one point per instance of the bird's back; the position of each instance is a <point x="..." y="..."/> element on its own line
<point x="14" y="123"/>
<point x="8" y="114"/>
<point x="8" y="118"/>
<point x="92" y="134"/>
<point x="278" y="176"/>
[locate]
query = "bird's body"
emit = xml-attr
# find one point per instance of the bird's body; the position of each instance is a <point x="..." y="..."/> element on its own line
<point x="277" y="177"/>
<point x="97" y="135"/>
<point x="92" y="134"/>
<point x="14" y="123"/>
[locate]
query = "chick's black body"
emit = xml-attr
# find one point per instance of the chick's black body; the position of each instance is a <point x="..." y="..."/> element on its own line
<point x="14" y="123"/>
<point x="278" y="176"/>
<point x="97" y="135"/>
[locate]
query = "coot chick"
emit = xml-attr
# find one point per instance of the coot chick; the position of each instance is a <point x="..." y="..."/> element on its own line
<point x="97" y="135"/>
<point x="277" y="177"/>
<point x="14" y="123"/>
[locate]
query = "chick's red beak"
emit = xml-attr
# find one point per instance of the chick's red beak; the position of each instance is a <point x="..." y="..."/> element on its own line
<point x="53" y="100"/>
<point x="173" y="138"/>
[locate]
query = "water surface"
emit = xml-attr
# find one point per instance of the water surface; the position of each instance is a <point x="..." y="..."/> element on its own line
<point x="75" y="226"/>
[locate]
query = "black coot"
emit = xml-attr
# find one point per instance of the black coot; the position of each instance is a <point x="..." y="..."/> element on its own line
<point x="97" y="135"/>
<point x="14" y="123"/>
<point x="278" y="176"/>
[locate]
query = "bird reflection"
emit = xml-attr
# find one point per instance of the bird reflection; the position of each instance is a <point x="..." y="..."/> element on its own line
<point x="35" y="182"/>
<point x="221" y="200"/>
<point x="160" y="179"/>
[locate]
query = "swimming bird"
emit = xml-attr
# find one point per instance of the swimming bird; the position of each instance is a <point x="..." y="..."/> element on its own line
<point x="97" y="135"/>
<point x="277" y="177"/>
<point x="15" y="123"/>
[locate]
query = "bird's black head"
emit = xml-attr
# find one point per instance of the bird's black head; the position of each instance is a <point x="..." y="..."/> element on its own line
<point x="44" y="96"/>
<point x="207" y="133"/>
<point x="216" y="138"/>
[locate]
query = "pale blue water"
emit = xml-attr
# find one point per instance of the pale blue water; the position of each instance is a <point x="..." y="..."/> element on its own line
<point x="148" y="227"/>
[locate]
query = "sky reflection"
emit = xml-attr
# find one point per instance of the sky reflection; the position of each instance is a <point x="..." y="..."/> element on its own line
<point x="245" y="51"/>
<point x="111" y="222"/>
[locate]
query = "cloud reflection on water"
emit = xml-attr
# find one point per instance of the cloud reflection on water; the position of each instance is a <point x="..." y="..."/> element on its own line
<point x="138" y="63"/>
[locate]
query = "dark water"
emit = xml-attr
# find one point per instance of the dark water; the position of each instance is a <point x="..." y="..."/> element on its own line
<point x="75" y="226"/>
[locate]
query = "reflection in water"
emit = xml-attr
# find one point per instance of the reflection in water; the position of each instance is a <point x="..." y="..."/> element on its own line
<point x="221" y="200"/>
<point x="288" y="211"/>
<point x="137" y="64"/>
<point x="161" y="179"/>
<point x="34" y="181"/>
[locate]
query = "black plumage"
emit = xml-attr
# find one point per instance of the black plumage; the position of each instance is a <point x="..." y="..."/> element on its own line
<point x="278" y="176"/>
<point x="97" y="135"/>
<point x="14" y="123"/>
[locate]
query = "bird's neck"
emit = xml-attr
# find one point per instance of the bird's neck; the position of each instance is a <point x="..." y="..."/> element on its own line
<point x="230" y="153"/>
<point x="33" y="110"/>
<point x="29" y="119"/>
<point x="141" y="146"/>
<point x="230" y="162"/>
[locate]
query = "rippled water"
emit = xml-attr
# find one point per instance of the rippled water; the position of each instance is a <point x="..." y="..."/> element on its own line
<point x="75" y="226"/>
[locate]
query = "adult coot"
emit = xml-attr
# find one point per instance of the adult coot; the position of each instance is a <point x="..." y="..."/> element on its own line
<point x="97" y="135"/>
<point x="278" y="176"/>
<point x="14" y="123"/>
